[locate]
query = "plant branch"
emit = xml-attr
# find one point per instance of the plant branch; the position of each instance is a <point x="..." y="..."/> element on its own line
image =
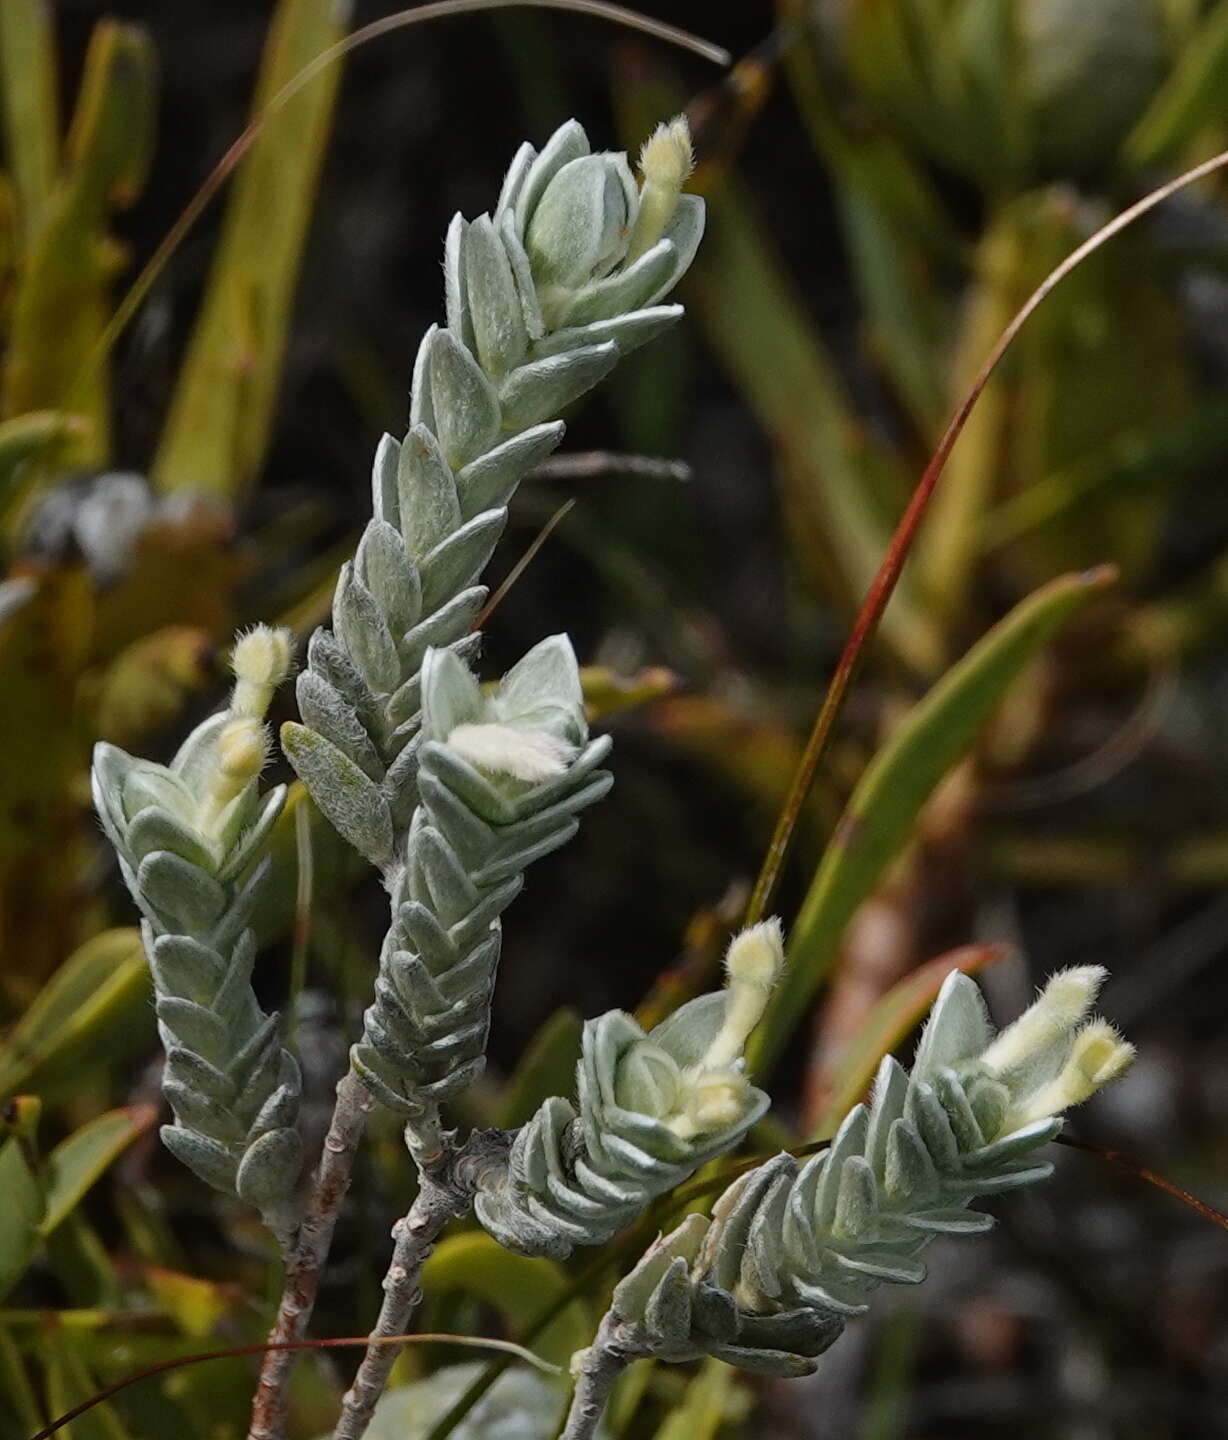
<point x="447" y="1182"/>
<point x="308" y="1254"/>
<point x="602" y="1363"/>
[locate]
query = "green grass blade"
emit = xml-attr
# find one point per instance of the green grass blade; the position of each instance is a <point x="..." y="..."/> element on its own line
<point x="77" y="1162"/>
<point x="1192" y="98"/>
<point x="220" y="416"/>
<point x="880" y="815"/>
<point x="90" y="1008"/>
<point x="61" y="306"/>
<point x="29" y="102"/>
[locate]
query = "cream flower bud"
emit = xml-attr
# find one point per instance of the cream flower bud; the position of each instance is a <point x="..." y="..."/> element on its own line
<point x="261" y="662"/>
<point x="752" y="966"/>
<point x="1098" y="1056"/>
<point x="666" y="161"/>
<point x="530" y="755"/>
<point x="241" y="753"/>
<point x="1061" y="1005"/>
<point x="712" y="1100"/>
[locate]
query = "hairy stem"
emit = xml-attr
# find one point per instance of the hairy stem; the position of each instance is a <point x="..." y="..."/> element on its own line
<point x="603" y="1362"/>
<point x="307" y="1255"/>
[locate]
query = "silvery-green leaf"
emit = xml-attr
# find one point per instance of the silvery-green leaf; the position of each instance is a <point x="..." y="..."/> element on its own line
<point x="547" y="675"/>
<point x="466" y="406"/>
<point x="856" y="1200"/>
<point x="421" y="400"/>
<point x="567" y="143"/>
<point x="667" y="1315"/>
<point x="624" y="291"/>
<point x="491" y="479"/>
<point x="155" y="829"/>
<point x="193" y="762"/>
<point x="200" y="1113"/>
<point x="522" y="272"/>
<point x="763" y="1362"/>
<point x="427" y="490"/>
<point x="400" y="786"/>
<point x="269" y="1169"/>
<point x="183" y="966"/>
<point x="890" y="1092"/>
<point x="691" y="1029"/>
<point x="384" y="503"/>
<point x="182" y="896"/>
<point x="957" y="1028"/>
<point x="252" y="842"/>
<point x="1018" y="1143"/>
<point x="962" y="1117"/>
<point x="449" y="622"/>
<point x="204" y="1157"/>
<point x="684" y="231"/>
<point x="909" y="1179"/>
<point x="580" y="223"/>
<point x="469" y="835"/>
<point x="539" y="390"/>
<point x="456" y="300"/>
<point x="628" y="332"/>
<point x="326" y="656"/>
<point x="497" y="317"/>
<point x="364" y="633"/>
<point x="456" y="562"/>
<point x="949" y="1222"/>
<point x="194" y="1026"/>
<point x="514" y="180"/>
<point x="390" y="575"/>
<point x="927" y="1114"/>
<point x="349" y="799"/>
<point x="990" y="1102"/>
<point x="324" y="711"/>
<point x="450" y="694"/>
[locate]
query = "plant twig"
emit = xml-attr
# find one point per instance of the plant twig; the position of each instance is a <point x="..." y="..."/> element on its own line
<point x="308" y="1254"/>
<point x="447" y="1182"/>
<point x="602" y="1363"/>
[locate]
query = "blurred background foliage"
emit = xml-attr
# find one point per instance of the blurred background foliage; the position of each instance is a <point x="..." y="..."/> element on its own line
<point x="1033" y="755"/>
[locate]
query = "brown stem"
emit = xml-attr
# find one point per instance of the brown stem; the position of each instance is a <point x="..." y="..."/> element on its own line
<point x="308" y="1253"/>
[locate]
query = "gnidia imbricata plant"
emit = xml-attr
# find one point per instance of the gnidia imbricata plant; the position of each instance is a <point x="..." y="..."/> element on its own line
<point x="451" y="790"/>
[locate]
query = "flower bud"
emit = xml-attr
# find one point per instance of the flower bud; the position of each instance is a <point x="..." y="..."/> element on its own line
<point x="261" y="661"/>
<point x="242" y="749"/>
<point x="1098" y="1056"/>
<point x="752" y="966"/>
<point x="665" y="163"/>
<point x="580" y="227"/>
<point x="1061" y="1005"/>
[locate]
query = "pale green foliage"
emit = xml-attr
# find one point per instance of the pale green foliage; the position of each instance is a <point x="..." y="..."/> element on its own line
<point x="192" y="859"/>
<point x="475" y="830"/>
<point x="541" y="302"/>
<point x="646" y="1121"/>
<point x="791" y="1252"/>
